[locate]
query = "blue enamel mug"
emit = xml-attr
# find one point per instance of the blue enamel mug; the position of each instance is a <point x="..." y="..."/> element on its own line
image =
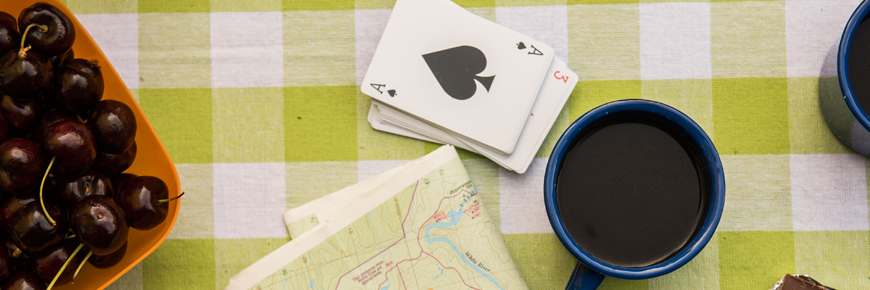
<point x="846" y="119"/>
<point x="590" y="272"/>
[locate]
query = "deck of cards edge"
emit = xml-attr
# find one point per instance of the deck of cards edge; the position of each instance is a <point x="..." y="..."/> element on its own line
<point x="442" y="64"/>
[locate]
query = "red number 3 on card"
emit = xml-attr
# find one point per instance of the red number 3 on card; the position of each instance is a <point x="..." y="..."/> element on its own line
<point x="563" y="78"/>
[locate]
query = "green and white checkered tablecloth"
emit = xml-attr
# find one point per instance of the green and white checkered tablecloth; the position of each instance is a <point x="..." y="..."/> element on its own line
<point x="258" y="104"/>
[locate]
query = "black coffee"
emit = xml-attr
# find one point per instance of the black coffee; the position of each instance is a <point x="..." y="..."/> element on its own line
<point x="859" y="65"/>
<point x="629" y="194"/>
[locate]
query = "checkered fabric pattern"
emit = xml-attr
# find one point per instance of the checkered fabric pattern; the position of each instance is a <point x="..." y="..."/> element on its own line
<point x="258" y="104"/>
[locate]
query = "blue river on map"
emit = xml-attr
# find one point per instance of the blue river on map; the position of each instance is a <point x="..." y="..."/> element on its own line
<point x="455" y="216"/>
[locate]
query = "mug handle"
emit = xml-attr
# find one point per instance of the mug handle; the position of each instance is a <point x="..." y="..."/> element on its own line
<point x="584" y="278"/>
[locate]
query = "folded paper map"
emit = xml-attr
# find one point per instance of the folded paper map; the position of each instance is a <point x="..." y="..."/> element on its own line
<point x="419" y="226"/>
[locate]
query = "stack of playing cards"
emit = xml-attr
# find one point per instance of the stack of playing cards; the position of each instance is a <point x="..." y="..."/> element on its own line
<point x="445" y="75"/>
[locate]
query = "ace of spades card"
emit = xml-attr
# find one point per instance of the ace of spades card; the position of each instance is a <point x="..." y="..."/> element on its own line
<point x="556" y="89"/>
<point x="446" y="66"/>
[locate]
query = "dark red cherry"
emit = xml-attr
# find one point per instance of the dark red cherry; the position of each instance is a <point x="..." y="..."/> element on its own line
<point x="90" y="68"/>
<point x="88" y="184"/>
<point x="113" y="164"/>
<point x="32" y="231"/>
<point x="87" y="67"/>
<point x="24" y="280"/>
<point x="56" y="33"/>
<point x="49" y="119"/>
<point x="49" y="261"/>
<point x="107" y="261"/>
<point x="143" y="200"/>
<point x="113" y="125"/>
<point x="22" y="115"/>
<point x="72" y="144"/>
<point x="99" y="224"/>
<point x="78" y="85"/>
<point x="10" y="39"/>
<point x="12" y="205"/>
<point x="22" y="165"/>
<point x="25" y="74"/>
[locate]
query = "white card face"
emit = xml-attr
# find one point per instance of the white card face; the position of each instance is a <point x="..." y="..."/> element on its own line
<point x="558" y="85"/>
<point x="443" y="64"/>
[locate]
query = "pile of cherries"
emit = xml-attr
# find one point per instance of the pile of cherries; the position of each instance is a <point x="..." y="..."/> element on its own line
<point x="63" y="153"/>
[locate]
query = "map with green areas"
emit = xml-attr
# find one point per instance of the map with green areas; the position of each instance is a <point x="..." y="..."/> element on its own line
<point x="433" y="234"/>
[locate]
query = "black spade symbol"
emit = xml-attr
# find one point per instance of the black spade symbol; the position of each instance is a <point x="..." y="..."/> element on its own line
<point x="456" y="69"/>
<point x="392" y="93"/>
<point x="521" y="45"/>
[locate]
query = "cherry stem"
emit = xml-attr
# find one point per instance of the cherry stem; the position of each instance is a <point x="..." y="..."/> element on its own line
<point x="170" y="199"/>
<point x="41" y="185"/>
<point x="64" y="266"/>
<point x="23" y="52"/>
<point x="42" y="28"/>
<point x="88" y="256"/>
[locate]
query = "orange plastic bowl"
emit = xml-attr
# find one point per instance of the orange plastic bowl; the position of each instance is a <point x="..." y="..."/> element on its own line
<point x="151" y="158"/>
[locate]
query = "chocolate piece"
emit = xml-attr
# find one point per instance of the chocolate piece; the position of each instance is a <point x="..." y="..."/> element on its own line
<point x="799" y="282"/>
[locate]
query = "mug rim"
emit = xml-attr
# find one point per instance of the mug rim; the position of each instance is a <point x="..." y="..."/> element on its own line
<point x="713" y="168"/>
<point x="843" y="64"/>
